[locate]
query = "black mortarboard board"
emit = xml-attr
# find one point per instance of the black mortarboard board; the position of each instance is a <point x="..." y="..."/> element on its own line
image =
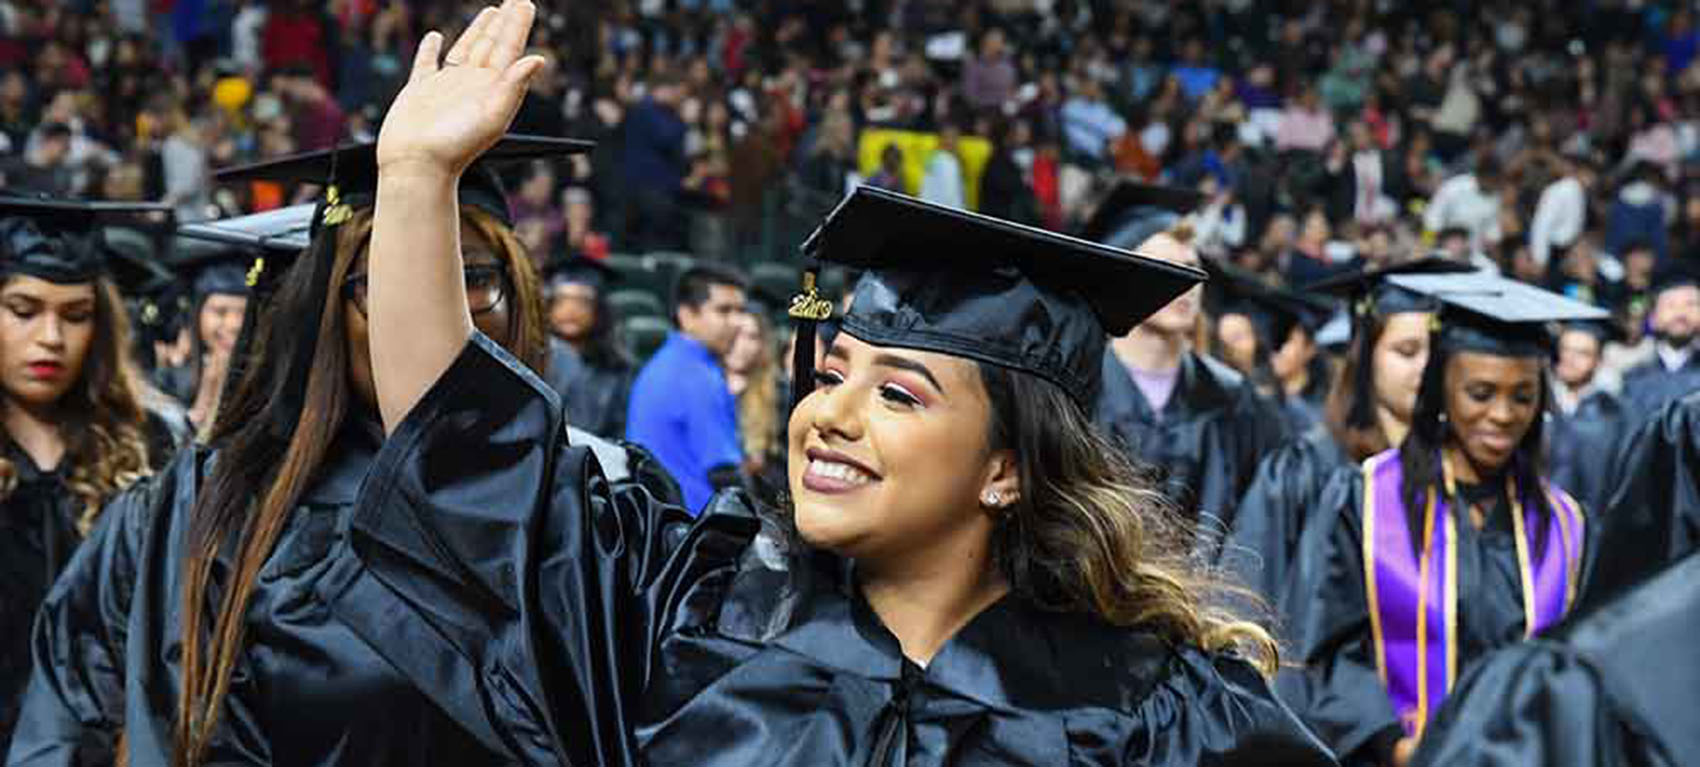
<point x="945" y="280"/>
<point x="1369" y="292"/>
<point x="350" y="176"/>
<point x="60" y="240"/>
<point x="1128" y="199"/>
<point x="580" y="270"/>
<point x="1606" y="331"/>
<point x="1273" y="311"/>
<point x="353" y="170"/>
<point x="1483" y="312"/>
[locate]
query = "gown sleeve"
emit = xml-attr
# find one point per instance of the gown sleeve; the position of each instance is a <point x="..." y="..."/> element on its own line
<point x="1337" y="689"/>
<point x="484" y="551"/>
<point x="1264" y="535"/>
<point x="1653" y="517"/>
<point x="1535" y="702"/>
<point x="73" y="707"/>
<point x="1217" y="710"/>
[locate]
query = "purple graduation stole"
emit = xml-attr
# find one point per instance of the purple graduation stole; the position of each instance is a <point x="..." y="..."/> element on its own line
<point x="1413" y="590"/>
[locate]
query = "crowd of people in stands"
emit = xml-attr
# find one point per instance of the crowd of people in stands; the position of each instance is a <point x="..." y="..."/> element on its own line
<point x="1353" y="175"/>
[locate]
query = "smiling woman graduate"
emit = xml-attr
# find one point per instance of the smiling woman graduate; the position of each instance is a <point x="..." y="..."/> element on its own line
<point x="965" y="575"/>
<point x="1452" y="544"/>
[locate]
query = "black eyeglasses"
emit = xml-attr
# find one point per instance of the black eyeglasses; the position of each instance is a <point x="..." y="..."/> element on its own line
<point x="487" y="285"/>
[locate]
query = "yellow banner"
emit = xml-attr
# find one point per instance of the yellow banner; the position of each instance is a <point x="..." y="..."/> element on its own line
<point x="917" y="147"/>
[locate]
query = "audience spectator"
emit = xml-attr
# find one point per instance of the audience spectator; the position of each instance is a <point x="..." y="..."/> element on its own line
<point x="681" y="407"/>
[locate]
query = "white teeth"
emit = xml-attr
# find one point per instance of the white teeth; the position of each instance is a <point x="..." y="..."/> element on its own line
<point x="842" y="472"/>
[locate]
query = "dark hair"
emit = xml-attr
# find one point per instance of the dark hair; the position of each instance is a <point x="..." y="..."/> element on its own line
<point x="1419" y="454"/>
<point x="694" y="285"/>
<point x="1349" y="410"/>
<point x="603" y="346"/>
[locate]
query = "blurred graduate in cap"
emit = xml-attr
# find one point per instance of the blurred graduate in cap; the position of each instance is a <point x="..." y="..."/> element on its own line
<point x="1367" y="410"/>
<point x="965" y="574"/>
<point x="74" y="426"/>
<point x="1588" y="421"/>
<point x="218" y="298"/>
<point x="1268" y="334"/>
<point x="1449" y="546"/>
<point x="1674" y="369"/>
<point x="1202" y="424"/>
<point x="588" y="364"/>
<point x="192" y="630"/>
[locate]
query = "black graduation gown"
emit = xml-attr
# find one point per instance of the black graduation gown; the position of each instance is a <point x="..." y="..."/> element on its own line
<point x="1649" y="386"/>
<point x="595" y="396"/>
<point x="1619" y="686"/>
<point x="38" y="535"/>
<point x="1286" y="495"/>
<point x="564" y="620"/>
<point x="307" y="690"/>
<point x="1339" y="692"/>
<point x="1653" y="518"/>
<point x="1581" y="444"/>
<point x="1206" y="441"/>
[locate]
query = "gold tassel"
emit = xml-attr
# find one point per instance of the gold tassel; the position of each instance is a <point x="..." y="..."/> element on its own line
<point x="809" y="305"/>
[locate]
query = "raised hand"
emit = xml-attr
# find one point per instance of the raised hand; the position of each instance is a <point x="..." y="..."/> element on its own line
<point x="449" y="113"/>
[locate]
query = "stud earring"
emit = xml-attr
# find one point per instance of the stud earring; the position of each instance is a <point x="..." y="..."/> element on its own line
<point x="991" y="498"/>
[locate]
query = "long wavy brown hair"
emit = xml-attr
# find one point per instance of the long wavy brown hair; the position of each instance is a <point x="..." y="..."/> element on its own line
<point x="1089" y="534"/>
<point x="261" y="474"/>
<point x="101" y="417"/>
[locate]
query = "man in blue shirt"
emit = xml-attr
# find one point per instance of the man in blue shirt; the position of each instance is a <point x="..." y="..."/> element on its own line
<point x="681" y="408"/>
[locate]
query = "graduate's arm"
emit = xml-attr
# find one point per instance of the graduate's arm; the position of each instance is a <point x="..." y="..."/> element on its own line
<point x="444" y="118"/>
<point x="73" y="708"/>
<point x="1342" y="698"/>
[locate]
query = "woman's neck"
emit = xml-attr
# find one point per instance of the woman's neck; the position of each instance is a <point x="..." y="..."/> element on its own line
<point x="1150" y="350"/>
<point x="1296" y="384"/>
<point x="1393" y="427"/>
<point x="36" y="432"/>
<point x="927" y="600"/>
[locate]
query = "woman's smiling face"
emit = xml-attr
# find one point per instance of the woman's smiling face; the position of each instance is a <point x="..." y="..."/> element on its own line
<point x="890" y="453"/>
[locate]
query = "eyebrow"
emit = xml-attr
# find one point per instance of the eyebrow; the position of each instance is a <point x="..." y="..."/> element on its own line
<point x="893" y="361"/>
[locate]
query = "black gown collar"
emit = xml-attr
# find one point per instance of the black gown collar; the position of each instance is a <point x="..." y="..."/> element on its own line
<point x="1011" y="651"/>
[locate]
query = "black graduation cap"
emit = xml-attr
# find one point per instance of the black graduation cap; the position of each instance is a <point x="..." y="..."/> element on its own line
<point x="256" y="248"/>
<point x="1129" y="198"/>
<point x="352" y="169"/>
<point x="1485" y="312"/>
<point x="1369" y="291"/>
<point x="945" y="280"/>
<point x="61" y="240"/>
<point x="350" y="176"/>
<point x="1605" y="331"/>
<point x="1273" y="311"/>
<point x="580" y="270"/>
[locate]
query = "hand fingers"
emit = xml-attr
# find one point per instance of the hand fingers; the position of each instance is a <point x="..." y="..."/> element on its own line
<point x="460" y="53"/>
<point x="425" y="59"/>
<point x="479" y="54"/>
<point x="517" y="76"/>
<point x="510" y="44"/>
